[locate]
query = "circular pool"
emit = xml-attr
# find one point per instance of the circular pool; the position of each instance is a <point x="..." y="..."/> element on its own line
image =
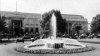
<point x="59" y="45"/>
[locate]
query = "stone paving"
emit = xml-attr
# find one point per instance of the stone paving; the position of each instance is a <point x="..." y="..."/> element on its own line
<point x="8" y="50"/>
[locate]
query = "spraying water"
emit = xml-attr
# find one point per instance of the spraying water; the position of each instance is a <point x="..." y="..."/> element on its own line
<point x="53" y="27"/>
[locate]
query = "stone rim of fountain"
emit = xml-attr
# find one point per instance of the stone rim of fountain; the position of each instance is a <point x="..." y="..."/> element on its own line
<point x="54" y="51"/>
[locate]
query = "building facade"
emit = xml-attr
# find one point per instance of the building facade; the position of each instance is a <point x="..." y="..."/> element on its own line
<point x="73" y="19"/>
<point x="22" y="22"/>
<point x="30" y="22"/>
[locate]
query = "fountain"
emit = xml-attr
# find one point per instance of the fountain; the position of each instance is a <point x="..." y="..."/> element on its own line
<point x="52" y="43"/>
<point x="53" y="27"/>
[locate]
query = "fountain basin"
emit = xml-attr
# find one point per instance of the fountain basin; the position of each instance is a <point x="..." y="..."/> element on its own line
<point x="54" y="46"/>
<point x="58" y="43"/>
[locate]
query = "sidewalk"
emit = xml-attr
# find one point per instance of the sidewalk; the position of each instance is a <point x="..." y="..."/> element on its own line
<point x="94" y="40"/>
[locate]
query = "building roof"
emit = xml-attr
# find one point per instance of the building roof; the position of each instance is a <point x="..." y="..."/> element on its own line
<point x="68" y="17"/>
<point x="20" y="14"/>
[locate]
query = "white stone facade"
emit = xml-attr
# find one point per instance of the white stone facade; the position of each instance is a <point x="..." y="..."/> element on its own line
<point x="32" y="20"/>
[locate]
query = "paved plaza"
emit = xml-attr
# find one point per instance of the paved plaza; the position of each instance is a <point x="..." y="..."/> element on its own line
<point x="8" y="50"/>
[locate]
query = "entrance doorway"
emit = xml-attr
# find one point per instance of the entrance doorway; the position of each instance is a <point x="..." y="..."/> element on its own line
<point x="17" y="27"/>
<point x="36" y="30"/>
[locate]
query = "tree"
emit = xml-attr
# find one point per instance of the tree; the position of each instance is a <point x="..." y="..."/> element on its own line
<point x="2" y="24"/>
<point x="95" y="24"/>
<point x="61" y="23"/>
<point x="45" y="22"/>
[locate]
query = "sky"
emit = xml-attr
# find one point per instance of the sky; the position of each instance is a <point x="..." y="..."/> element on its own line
<point x="87" y="8"/>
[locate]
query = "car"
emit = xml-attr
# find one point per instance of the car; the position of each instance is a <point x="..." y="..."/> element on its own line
<point x="92" y="36"/>
<point x="82" y="36"/>
<point x="33" y="39"/>
<point x="20" y="40"/>
<point x="26" y="37"/>
<point x="0" y="40"/>
<point x="98" y="35"/>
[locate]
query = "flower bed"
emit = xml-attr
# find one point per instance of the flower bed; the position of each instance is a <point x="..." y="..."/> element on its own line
<point x="55" y="51"/>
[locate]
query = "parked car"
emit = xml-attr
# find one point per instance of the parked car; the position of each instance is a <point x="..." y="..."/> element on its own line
<point x="0" y="40"/>
<point x="33" y="39"/>
<point x="98" y="36"/>
<point x="73" y="36"/>
<point x="92" y="36"/>
<point x="82" y="36"/>
<point x="20" y="40"/>
<point x="26" y="37"/>
<point x="66" y="36"/>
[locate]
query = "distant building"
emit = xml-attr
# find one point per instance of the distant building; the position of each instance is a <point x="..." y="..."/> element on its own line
<point x="30" y="22"/>
<point x="72" y="19"/>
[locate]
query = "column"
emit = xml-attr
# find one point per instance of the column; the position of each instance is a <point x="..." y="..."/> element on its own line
<point x="68" y="28"/>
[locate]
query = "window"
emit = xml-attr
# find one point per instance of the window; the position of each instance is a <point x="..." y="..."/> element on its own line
<point x="36" y="24"/>
<point x="26" y="30"/>
<point x="37" y="30"/>
<point x="26" y="24"/>
<point x="32" y="30"/>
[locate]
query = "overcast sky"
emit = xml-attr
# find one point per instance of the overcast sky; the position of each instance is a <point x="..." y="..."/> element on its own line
<point x="87" y="8"/>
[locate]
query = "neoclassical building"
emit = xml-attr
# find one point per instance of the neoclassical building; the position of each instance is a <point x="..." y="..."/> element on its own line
<point x="73" y="19"/>
<point x="30" y="22"/>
